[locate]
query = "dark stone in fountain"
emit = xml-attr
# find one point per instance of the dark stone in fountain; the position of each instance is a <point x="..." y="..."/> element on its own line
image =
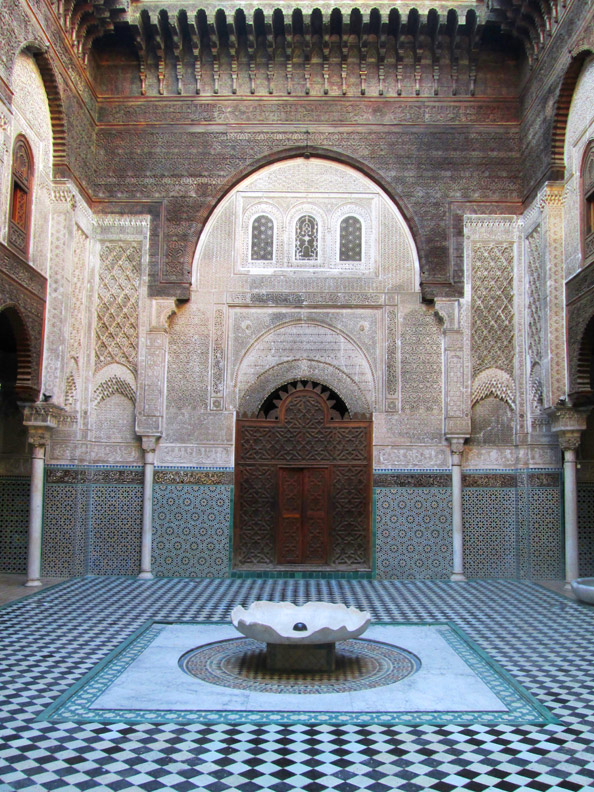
<point x="301" y="657"/>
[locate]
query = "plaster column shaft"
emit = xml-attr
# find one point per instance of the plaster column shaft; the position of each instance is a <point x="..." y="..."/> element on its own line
<point x="457" y="522"/>
<point x="571" y="519"/>
<point x="149" y="446"/>
<point x="568" y="423"/>
<point x="35" y="516"/>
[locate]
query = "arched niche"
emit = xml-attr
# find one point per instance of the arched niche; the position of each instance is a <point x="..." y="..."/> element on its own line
<point x="310" y="351"/>
<point x="323" y="187"/>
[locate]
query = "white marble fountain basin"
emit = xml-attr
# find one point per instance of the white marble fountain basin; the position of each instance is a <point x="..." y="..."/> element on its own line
<point x="273" y="622"/>
<point x="583" y="588"/>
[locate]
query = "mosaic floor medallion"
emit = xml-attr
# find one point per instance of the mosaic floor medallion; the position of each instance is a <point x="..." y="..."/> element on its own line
<point x="241" y="664"/>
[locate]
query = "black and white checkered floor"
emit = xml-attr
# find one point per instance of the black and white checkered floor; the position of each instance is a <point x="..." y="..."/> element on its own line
<point x="51" y="639"/>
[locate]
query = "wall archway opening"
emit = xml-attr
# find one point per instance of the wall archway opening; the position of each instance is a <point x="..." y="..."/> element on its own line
<point x="15" y="375"/>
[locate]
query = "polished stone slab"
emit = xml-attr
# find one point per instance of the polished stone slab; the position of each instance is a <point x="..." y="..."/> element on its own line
<point x="142" y="681"/>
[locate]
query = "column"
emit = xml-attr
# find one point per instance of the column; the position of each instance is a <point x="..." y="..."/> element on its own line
<point x="456" y="451"/>
<point x="569" y="443"/>
<point x="40" y="419"/>
<point x="149" y="446"/>
<point x="38" y="438"/>
<point x="568" y="424"/>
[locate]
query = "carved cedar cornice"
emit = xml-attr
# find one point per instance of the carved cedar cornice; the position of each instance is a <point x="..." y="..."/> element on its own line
<point x="83" y="21"/>
<point x="168" y="31"/>
<point x="234" y="48"/>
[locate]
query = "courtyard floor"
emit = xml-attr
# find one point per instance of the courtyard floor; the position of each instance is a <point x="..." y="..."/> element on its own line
<point x="51" y="639"/>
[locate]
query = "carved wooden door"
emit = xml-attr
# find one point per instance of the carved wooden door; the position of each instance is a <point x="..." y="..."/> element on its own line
<point x="302" y="535"/>
<point x="302" y="487"/>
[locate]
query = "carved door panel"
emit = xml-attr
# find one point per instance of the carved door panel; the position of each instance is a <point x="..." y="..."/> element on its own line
<point x="290" y="502"/>
<point x="303" y="487"/>
<point x="314" y="546"/>
<point x="302" y="536"/>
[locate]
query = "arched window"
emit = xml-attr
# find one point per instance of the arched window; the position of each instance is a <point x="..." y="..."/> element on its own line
<point x="351" y="239"/>
<point x="262" y="242"/>
<point x="588" y="195"/>
<point x="306" y="239"/>
<point x="21" y="194"/>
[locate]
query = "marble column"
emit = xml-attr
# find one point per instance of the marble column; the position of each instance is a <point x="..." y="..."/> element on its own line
<point x="149" y="446"/>
<point x="456" y="451"/>
<point x="569" y="443"/>
<point x="568" y="424"/>
<point x="38" y="439"/>
<point x="40" y="419"/>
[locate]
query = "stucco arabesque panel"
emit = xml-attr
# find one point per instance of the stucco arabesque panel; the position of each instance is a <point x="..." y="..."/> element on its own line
<point x="301" y="345"/>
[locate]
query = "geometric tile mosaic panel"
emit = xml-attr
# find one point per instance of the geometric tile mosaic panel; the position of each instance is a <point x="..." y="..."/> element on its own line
<point x="116" y="527"/>
<point x="586" y="529"/>
<point x="65" y="518"/>
<point x="191" y="530"/>
<point x="489" y="516"/>
<point x="414" y="533"/>
<point x="58" y="635"/>
<point x="546" y="533"/>
<point x="92" y="520"/>
<point x="14" y="523"/>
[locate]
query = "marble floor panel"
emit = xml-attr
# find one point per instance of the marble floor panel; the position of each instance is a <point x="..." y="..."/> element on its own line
<point x="52" y="639"/>
<point x="445" y="680"/>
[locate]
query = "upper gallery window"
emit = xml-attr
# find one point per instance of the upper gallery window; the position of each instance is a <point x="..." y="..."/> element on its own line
<point x="306" y="239"/>
<point x="588" y="186"/>
<point x="351" y="239"/>
<point x="21" y="193"/>
<point x="262" y="241"/>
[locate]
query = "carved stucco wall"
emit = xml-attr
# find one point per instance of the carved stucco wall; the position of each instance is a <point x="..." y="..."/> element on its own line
<point x="580" y="131"/>
<point x="491" y="291"/>
<point x="103" y="309"/>
<point x="251" y="325"/>
<point x="31" y="118"/>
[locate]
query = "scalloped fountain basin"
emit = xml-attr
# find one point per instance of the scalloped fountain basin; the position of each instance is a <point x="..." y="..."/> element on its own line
<point x="300" y="637"/>
<point x="583" y="588"/>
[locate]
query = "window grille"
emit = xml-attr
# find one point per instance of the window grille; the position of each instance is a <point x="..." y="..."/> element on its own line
<point x="306" y="239"/>
<point x="20" y="206"/>
<point x="351" y="239"/>
<point x="262" y="243"/>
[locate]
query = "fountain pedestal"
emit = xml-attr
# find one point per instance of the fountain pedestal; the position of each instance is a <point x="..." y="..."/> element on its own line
<point x="301" y="657"/>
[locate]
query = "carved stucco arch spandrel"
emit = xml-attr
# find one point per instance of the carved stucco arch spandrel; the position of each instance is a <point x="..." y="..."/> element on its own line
<point x="251" y="399"/>
<point x="259" y="374"/>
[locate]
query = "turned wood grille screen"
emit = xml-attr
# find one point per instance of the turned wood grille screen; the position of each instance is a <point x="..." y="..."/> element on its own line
<point x="302" y="488"/>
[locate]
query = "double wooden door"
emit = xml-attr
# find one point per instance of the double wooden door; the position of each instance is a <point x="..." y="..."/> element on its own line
<point x="302" y="488"/>
<point x="302" y="531"/>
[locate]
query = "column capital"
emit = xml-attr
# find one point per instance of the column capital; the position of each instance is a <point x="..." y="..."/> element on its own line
<point x="41" y="419"/>
<point x="456" y="447"/>
<point x="569" y="441"/>
<point x="149" y="443"/>
<point x="552" y="194"/>
<point x="42" y="414"/>
<point x="568" y="423"/>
